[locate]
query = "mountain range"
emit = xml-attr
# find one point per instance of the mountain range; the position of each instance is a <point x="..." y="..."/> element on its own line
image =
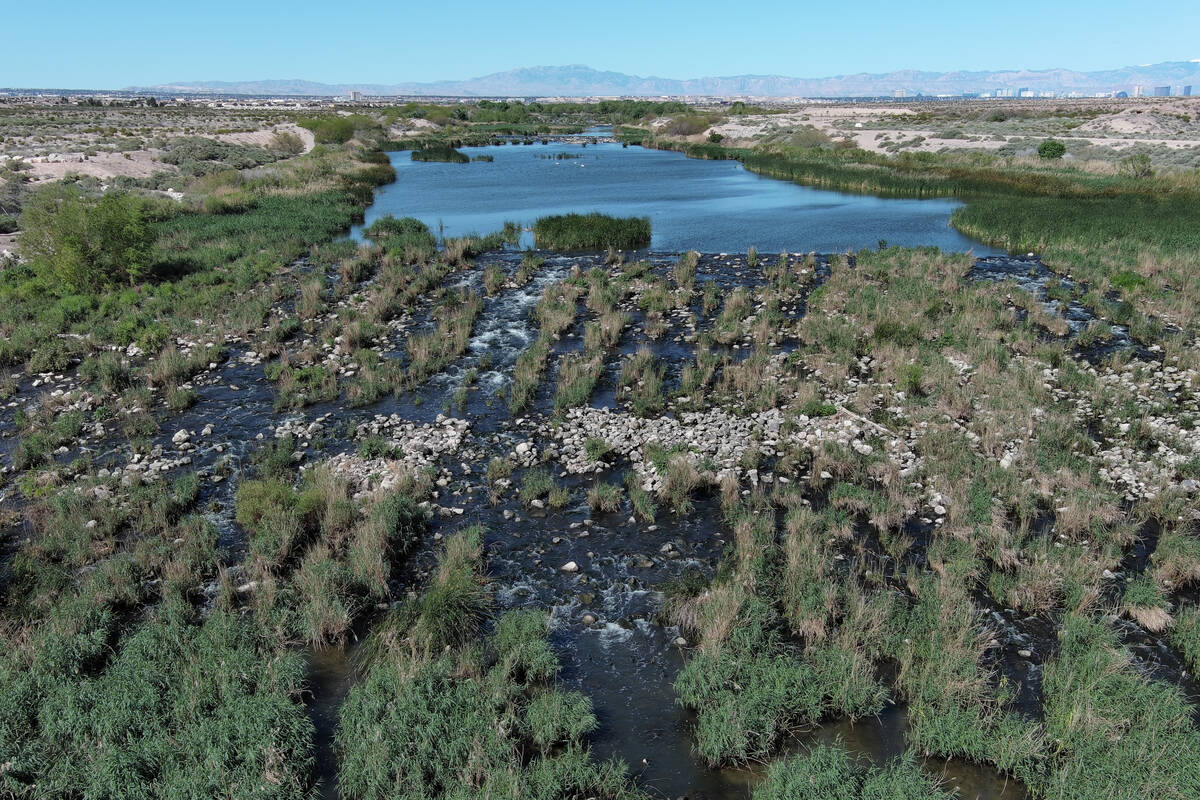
<point x="581" y="81"/>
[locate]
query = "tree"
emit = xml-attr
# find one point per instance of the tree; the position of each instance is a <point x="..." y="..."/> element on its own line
<point x="84" y="243"/>
<point x="1052" y="148"/>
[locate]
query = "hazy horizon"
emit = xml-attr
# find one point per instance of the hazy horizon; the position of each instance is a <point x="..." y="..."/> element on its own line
<point x="144" y="44"/>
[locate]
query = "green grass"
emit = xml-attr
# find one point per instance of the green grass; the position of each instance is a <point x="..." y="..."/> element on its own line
<point x="591" y="232"/>
<point x="830" y="772"/>
<point x="537" y="483"/>
<point x="480" y="719"/>
<point x="1104" y="719"/>
<point x="189" y="708"/>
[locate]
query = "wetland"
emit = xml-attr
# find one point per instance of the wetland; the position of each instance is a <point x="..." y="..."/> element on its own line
<point x="355" y="492"/>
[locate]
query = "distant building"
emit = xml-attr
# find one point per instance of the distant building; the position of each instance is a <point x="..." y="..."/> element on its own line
<point x="1138" y="91"/>
<point x="356" y="96"/>
<point x="900" y="93"/>
<point x="1024" y="91"/>
<point x="1185" y="91"/>
<point x="1162" y="91"/>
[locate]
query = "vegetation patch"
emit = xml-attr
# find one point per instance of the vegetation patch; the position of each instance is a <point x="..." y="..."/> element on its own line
<point x="591" y="232"/>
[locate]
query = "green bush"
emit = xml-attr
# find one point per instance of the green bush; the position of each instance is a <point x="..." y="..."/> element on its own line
<point x="329" y="129"/>
<point x="1051" y="149"/>
<point x="85" y="244"/>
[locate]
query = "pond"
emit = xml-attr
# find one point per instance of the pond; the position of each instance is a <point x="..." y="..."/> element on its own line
<point x="709" y="206"/>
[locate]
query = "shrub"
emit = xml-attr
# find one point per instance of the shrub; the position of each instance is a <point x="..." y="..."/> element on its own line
<point x="85" y="244"/>
<point x="329" y="129"/>
<point x="287" y="142"/>
<point x="1051" y="149"/>
<point x="1137" y="166"/>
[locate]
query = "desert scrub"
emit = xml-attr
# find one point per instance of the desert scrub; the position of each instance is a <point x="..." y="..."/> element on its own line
<point x="591" y="232"/>
<point x="487" y="716"/>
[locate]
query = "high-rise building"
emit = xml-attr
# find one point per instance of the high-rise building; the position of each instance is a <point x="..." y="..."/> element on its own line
<point x="1162" y="91"/>
<point x="1186" y="91"/>
<point x="1138" y="91"/>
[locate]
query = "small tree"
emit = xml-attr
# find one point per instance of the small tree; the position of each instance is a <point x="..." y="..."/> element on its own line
<point x="1052" y="148"/>
<point x="83" y="243"/>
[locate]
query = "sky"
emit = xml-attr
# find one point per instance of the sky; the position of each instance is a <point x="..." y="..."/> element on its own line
<point x="123" y="43"/>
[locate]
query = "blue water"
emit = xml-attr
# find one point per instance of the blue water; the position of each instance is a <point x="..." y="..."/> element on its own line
<point x="710" y="206"/>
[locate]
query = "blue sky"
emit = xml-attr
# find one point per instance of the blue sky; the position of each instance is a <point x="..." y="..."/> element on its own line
<point x="110" y="45"/>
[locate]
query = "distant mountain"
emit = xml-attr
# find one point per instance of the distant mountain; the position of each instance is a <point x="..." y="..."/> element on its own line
<point x="582" y="81"/>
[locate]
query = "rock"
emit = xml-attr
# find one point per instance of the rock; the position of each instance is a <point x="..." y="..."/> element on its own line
<point x="588" y="619"/>
<point x="570" y="566"/>
<point x="181" y="436"/>
<point x="1025" y="653"/>
<point x="680" y="641"/>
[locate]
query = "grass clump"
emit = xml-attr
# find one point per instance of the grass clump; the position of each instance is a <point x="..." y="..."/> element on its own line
<point x="830" y="772"/>
<point x="605" y="497"/>
<point x="443" y="153"/>
<point x="1104" y="718"/>
<point x="483" y="719"/>
<point x="191" y="708"/>
<point x="591" y="232"/>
